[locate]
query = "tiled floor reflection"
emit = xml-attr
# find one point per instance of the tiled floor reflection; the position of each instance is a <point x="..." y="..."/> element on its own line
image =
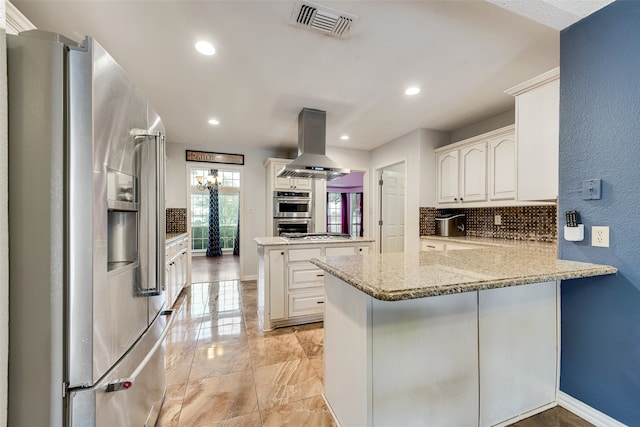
<point x="223" y="370"/>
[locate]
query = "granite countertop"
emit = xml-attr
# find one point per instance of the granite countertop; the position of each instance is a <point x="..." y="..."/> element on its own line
<point x="173" y="236"/>
<point x="491" y="241"/>
<point x="401" y="276"/>
<point x="279" y="241"/>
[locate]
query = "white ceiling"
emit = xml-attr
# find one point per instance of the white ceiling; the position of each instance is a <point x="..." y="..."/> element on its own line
<point x="463" y="54"/>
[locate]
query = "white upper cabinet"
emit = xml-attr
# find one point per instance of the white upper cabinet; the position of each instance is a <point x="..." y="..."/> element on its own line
<point x="285" y="183"/>
<point x="537" y="130"/>
<point x="473" y="173"/>
<point x="447" y="173"/>
<point x="502" y="167"/>
<point x="478" y="171"/>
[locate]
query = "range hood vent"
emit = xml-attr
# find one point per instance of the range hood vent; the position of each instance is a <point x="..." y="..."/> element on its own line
<point x="316" y="17"/>
<point x="312" y="161"/>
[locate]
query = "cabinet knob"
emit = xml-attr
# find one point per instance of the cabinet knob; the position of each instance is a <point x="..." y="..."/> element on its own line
<point x="281" y="253"/>
<point x="455" y="199"/>
<point x="461" y="199"/>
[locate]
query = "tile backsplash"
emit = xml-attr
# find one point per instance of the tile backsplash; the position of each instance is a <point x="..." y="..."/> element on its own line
<point x="176" y="220"/>
<point x="518" y="222"/>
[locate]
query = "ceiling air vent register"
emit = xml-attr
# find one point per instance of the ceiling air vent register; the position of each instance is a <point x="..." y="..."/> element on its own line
<point x="329" y="21"/>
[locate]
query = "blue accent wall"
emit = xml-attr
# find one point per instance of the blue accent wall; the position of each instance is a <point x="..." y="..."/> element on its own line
<point x="600" y="138"/>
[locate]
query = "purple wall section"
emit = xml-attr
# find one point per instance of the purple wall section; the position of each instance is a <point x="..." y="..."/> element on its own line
<point x="351" y="183"/>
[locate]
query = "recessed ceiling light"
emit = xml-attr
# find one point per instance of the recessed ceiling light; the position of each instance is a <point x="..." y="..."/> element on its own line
<point x="205" y="48"/>
<point x="214" y="122"/>
<point x="412" y="91"/>
<point x="344" y="137"/>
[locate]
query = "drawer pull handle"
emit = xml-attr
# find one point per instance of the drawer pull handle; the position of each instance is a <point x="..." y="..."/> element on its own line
<point x="320" y="302"/>
<point x="431" y="246"/>
<point x="319" y="275"/>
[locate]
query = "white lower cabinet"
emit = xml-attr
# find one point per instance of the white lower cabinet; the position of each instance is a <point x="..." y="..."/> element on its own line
<point x="518" y="334"/>
<point x="306" y="302"/>
<point x="290" y="288"/>
<point x="277" y="263"/>
<point x="482" y="358"/>
<point x="176" y="267"/>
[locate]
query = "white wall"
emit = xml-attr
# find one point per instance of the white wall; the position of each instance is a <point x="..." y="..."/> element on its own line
<point x="483" y="126"/>
<point x="253" y="215"/>
<point x="416" y="150"/>
<point x="4" y="221"/>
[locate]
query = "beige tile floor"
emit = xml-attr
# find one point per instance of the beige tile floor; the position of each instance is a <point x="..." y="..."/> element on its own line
<point x="222" y="370"/>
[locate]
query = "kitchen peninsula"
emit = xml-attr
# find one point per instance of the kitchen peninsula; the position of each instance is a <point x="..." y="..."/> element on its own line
<point x="444" y="337"/>
<point x="290" y="288"/>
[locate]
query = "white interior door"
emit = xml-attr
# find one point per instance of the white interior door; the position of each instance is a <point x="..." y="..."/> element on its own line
<point x="392" y="195"/>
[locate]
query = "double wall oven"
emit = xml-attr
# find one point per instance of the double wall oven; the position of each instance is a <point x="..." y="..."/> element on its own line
<point x="292" y="212"/>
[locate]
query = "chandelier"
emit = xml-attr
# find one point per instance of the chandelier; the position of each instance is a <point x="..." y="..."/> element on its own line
<point x="210" y="181"/>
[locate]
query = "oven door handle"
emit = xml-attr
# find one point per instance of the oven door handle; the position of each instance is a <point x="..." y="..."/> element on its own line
<point x="294" y="201"/>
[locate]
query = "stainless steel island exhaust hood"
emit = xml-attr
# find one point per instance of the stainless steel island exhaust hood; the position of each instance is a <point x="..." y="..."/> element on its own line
<point x="312" y="161"/>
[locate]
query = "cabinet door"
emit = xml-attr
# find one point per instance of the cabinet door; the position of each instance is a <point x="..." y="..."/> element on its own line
<point x="169" y="283"/>
<point x="537" y="123"/>
<point x="302" y="183"/>
<point x="277" y="284"/>
<point x="447" y="176"/>
<point x="502" y="168"/>
<point x="473" y="173"/>
<point x="183" y="270"/>
<point x="435" y="378"/>
<point x="280" y="183"/>
<point x="304" y="275"/>
<point x="306" y="303"/>
<point x="340" y="250"/>
<point x="361" y="250"/>
<point x="518" y="338"/>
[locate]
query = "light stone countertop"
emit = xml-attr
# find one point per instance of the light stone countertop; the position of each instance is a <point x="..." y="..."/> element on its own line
<point x="401" y="276"/>
<point x="169" y="237"/>
<point x="279" y="241"/>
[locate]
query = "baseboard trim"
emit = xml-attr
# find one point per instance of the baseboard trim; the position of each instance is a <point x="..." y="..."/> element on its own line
<point x="586" y="412"/>
<point x="326" y="402"/>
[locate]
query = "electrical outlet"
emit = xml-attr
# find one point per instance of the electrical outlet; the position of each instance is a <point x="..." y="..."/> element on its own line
<point x="600" y="236"/>
<point x="497" y="220"/>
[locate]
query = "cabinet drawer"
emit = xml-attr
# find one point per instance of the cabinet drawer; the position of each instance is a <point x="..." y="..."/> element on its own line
<point x="305" y="303"/>
<point x="362" y="250"/>
<point x="340" y="250"/>
<point x="304" y="254"/>
<point x="305" y="275"/>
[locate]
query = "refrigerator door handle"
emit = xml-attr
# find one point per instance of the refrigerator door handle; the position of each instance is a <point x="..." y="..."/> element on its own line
<point x="158" y="162"/>
<point x="126" y="383"/>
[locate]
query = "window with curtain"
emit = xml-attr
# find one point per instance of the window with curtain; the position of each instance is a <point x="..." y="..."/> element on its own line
<point x="228" y="208"/>
<point x="344" y="213"/>
<point x="334" y="213"/>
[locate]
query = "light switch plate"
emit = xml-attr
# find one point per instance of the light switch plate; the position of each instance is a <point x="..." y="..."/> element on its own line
<point x="591" y="189"/>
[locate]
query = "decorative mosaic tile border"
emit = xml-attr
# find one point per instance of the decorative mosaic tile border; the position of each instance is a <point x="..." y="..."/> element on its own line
<point x="428" y="221"/>
<point x="537" y="223"/>
<point x="176" y="220"/>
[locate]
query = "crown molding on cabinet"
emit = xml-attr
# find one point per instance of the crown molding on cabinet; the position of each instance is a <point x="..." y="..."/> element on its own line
<point x="540" y="80"/>
<point x="16" y="21"/>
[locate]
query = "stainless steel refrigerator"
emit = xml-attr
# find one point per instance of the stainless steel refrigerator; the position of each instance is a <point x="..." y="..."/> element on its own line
<point x="87" y="234"/>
